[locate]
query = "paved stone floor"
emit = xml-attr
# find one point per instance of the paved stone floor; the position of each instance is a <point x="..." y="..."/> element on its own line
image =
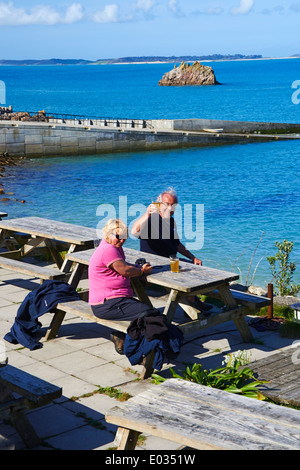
<point x="82" y="358"/>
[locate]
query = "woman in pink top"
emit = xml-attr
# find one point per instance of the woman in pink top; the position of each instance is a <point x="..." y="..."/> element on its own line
<point x="110" y="293"/>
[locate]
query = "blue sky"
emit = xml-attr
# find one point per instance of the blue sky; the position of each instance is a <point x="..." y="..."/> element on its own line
<point x="93" y="29"/>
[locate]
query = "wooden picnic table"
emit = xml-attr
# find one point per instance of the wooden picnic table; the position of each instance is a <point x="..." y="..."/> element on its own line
<point x="32" y="392"/>
<point x="41" y="230"/>
<point x="191" y="280"/>
<point x="204" y="418"/>
<point x="282" y="370"/>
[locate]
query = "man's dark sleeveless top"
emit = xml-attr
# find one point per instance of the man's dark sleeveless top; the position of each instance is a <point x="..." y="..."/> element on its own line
<point x="159" y="236"/>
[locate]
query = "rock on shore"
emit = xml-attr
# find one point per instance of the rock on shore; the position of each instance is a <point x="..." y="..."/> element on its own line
<point x="7" y="114"/>
<point x="185" y="74"/>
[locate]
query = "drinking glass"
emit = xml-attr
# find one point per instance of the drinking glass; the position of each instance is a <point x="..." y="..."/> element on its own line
<point x="174" y="263"/>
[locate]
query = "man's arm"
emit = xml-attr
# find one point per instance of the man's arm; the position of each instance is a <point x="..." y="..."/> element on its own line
<point x="184" y="252"/>
<point x="139" y="223"/>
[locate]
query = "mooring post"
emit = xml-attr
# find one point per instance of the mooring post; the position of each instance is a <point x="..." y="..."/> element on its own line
<point x="270" y="296"/>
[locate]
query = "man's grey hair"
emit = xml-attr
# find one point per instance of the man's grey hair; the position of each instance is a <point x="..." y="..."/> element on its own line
<point x="171" y="191"/>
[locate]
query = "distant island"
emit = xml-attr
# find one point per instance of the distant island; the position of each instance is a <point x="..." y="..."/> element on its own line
<point x="140" y="60"/>
<point x="186" y="74"/>
<point x="127" y="60"/>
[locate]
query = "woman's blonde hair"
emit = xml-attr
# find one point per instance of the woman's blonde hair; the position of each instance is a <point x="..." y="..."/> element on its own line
<point x="113" y="227"/>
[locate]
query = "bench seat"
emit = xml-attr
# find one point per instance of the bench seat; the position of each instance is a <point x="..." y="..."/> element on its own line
<point x="205" y="418"/>
<point x="83" y="309"/>
<point x="33" y="393"/>
<point x="41" y="272"/>
<point x="243" y="298"/>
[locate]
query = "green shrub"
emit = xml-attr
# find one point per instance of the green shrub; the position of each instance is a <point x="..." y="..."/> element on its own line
<point x="284" y="276"/>
<point x="232" y="377"/>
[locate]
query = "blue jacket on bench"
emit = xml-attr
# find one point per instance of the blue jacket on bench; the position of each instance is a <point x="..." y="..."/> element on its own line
<point x="35" y="304"/>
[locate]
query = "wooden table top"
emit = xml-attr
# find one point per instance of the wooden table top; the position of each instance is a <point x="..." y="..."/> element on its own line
<point x="204" y="417"/>
<point x="190" y="277"/>
<point x="282" y="369"/>
<point x="51" y="229"/>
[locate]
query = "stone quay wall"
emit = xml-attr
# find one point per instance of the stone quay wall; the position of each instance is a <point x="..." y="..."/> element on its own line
<point x="35" y="139"/>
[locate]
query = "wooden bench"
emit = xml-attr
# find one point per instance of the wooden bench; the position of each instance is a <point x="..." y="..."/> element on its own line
<point x="32" y="393"/>
<point x="41" y="272"/>
<point x="251" y="301"/>
<point x="205" y="418"/>
<point x="83" y="309"/>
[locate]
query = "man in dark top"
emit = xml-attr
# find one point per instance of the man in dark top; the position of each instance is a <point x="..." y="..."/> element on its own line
<point x="157" y="230"/>
<point x="158" y="235"/>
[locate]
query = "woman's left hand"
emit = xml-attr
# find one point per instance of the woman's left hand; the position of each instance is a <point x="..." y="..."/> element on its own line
<point x="147" y="268"/>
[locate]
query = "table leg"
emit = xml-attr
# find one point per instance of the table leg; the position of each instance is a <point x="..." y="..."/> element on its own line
<point x="139" y="291"/>
<point x="76" y="275"/>
<point x="126" y="439"/>
<point x="66" y="264"/>
<point x="189" y="309"/>
<point x="54" y="253"/>
<point x="171" y="305"/>
<point x="18" y="418"/>
<point x="3" y="235"/>
<point x="238" y="319"/>
<point x="31" y="244"/>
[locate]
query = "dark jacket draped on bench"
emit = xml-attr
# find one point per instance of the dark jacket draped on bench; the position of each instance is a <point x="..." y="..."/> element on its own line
<point x="151" y="332"/>
<point x="35" y="304"/>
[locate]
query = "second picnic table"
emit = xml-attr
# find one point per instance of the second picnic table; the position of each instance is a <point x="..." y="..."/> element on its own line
<point x="191" y="280"/>
<point x="41" y="230"/>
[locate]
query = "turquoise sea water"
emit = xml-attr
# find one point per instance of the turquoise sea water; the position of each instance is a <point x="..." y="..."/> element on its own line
<point x="248" y="191"/>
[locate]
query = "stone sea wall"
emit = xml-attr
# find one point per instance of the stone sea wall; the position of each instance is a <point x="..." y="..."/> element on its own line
<point x="32" y="139"/>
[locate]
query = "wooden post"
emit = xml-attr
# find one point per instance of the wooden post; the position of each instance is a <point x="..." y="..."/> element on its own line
<point x="270" y="296"/>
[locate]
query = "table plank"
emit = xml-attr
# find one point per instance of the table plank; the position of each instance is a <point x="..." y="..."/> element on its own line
<point x="191" y="277"/>
<point x="51" y="229"/>
<point x="207" y="418"/>
<point x="282" y="370"/>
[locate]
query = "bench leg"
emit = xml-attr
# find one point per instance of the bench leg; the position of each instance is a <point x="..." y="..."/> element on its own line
<point x="17" y="418"/>
<point x="53" y="329"/>
<point x="23" y="427"/>
<point x="126" y="439"/>
<point x="243" y="328"/>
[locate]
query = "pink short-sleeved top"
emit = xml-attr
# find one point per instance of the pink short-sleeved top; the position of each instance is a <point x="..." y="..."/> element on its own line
<point x="104" y="282"/>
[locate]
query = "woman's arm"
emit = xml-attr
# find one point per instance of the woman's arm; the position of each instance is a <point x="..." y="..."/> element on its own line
<point x="129" y="270"/>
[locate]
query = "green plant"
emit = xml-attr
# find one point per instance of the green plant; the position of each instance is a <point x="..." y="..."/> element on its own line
<point x="290" y="329"/>
<point x="114" y="393"/>
<point x="231" y="377"/>
<point x="284" y="276"/>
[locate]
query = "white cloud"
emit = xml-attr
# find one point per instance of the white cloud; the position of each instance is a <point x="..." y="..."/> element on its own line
<point x="74" y="13"/>
<point x="210" y="11"/>
<point x="174" y="8"/>
<point x="40" y="14"/>
<point x="244" y="7"/>
<point x="144" y="5"/>
<point x="110" y="14"/>
<point x="145" y="8"/>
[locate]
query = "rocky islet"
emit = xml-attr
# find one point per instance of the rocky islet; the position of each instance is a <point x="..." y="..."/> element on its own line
<point x="186" y="74"/>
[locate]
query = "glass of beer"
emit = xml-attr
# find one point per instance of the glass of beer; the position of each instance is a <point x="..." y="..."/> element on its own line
<point x="174" y="263"/>
<point x="157" y="204"/>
